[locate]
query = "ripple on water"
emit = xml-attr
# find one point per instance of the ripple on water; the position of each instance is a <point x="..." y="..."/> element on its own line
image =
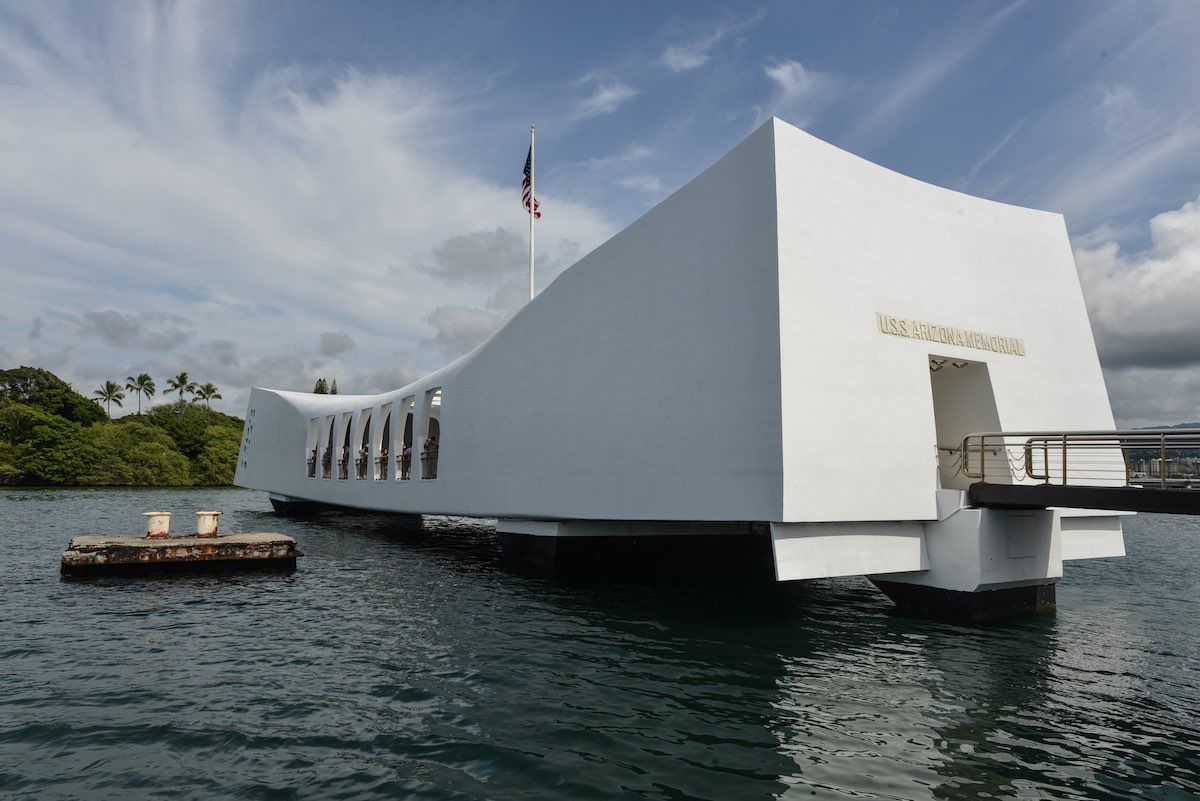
<point x="405" y="660"/>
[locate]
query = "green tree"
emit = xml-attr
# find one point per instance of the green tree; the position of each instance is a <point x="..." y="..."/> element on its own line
<point x="333" y="387"/>
<point x="141" y="386"/>
<point x="110" y="393"/>
<point x="46" y="391"/>
<point x="186" y="426"/>
<point x="208" y="393"/>
<point x="133" y="453"/>
<point x="44" y="448"/>
<point x="218" y="458"/>
<point x="321" y="388"/>
<point x="181" y="384"/>
<point x="10" y="472"/>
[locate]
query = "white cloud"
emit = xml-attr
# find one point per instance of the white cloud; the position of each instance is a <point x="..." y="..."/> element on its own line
<point x="697" y="51"/>
<point x="129" y="330"/>
<point x="480" y="257"/>
<point x="1143" y="312"/>
<point x="643" y="183"/>
<point x="1143" y="306"/>
<point x="335" y="343"/>
<point x="148" y="167"/>
<point x="798" y="92"/>
<point x="605" y="98"/>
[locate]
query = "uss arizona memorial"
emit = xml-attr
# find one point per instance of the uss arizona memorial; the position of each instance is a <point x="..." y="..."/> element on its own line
<point x="784" y="358"/>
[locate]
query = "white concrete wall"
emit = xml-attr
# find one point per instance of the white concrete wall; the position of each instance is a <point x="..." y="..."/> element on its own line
<point x="856" y="239"/>
<point x="642" y="384"/>
<point x="719" y="360"/>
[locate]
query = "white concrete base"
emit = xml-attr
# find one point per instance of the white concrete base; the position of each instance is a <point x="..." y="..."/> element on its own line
<point x="1092" y="537"/>
<point x="822" y="550"/>
<point x="983" y="549"/>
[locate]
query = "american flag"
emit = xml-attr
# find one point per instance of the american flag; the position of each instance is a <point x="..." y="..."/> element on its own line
<point x="527" y="185"/>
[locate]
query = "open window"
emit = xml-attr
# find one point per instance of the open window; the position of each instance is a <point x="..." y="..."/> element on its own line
<point x="362" y="458"/>
<point x="963" y="403"/>
<point x="344" y="454"/>
<point x="404" y="458"/>
<point x="327" y="451"/>
<point x="310" y="447"/>
<point x="431" y="439"/>
<point x="385" y="439"/>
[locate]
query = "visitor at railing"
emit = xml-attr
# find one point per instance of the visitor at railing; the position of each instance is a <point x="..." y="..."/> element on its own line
<point x="383" y="463"/>
<point x="429" y="458"/>
<point x="327" y="463"/>
<point x="312" y="464"/>
<point x="344" y="464"/>
<point x="361" y="464"/>
<point x="406" y="463"/>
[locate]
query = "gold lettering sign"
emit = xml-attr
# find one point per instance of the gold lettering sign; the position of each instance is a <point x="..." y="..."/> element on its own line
<point x="916" y="329"/>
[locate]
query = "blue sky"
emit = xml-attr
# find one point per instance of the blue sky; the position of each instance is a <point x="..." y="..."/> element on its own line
<point x="264" y="193"/>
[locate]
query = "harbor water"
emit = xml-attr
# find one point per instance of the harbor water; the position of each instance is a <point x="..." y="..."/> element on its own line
<point x="407" y="660"/>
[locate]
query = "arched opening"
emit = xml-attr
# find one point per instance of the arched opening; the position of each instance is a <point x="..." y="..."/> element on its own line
<point x="364" y="447"/>
<point x="310" y="448"/>
<point x="386" y="436"/>
<point x="327" y="456"/>
<point x="431" y="442"/>
<point x="406" y="409"/>
<point x="344" y="453"/>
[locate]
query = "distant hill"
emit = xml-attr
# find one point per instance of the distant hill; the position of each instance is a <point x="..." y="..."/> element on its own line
<point x="52" y="435"/>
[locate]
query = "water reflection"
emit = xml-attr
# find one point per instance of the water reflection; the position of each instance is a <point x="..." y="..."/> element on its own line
<point x="404" y="659"/>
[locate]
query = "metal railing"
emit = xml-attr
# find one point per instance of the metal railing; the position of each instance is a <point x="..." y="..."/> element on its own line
<point x="1140" y="458"/>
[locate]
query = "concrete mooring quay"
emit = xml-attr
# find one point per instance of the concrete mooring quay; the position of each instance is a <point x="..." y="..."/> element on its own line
<point x="157" y="551"/>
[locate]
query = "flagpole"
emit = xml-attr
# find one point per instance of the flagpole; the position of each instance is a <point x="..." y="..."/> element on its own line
<point x="532" y="206"/>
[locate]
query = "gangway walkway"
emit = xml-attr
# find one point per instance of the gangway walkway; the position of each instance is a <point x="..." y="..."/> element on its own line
<point x="1149" y="470"/>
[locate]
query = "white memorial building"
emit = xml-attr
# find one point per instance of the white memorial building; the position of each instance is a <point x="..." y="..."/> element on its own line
<point x="785" y="355"/>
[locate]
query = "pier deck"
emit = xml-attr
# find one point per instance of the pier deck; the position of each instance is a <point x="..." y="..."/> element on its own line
<point x="108" y="555"/>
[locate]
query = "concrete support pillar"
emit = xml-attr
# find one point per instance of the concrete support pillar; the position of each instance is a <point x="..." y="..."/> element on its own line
<point x="983" y="564"/>
<point x="639" y="550"/>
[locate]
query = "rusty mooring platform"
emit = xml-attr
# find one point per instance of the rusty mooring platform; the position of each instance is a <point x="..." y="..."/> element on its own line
<point x="104" y="555"/>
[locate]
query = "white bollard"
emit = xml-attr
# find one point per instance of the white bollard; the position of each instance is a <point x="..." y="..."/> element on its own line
<point x="158" y="525"/>
<point x="206" y="523"/>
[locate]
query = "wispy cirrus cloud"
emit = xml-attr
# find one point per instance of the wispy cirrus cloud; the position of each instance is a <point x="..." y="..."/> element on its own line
<point x="148" y="203"/>
<point x="696" y="50"/>
<point x="937" y="60"/>
<point x="798" y="92"/>
<point x="605" y="98"/>
<point x="987" y="157"/>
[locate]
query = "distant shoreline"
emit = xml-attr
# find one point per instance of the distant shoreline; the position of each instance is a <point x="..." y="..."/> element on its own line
<point x="52" y="436"/>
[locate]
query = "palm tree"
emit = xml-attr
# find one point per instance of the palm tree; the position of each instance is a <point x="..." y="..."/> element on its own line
<point x="181" y="384"/>
<point x="208" y="393"/>
<point x="142" y="385"/>
<point x="109" y="394"/>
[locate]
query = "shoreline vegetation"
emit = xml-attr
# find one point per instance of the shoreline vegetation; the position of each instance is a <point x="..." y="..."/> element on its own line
<point x="51" y="435"/>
